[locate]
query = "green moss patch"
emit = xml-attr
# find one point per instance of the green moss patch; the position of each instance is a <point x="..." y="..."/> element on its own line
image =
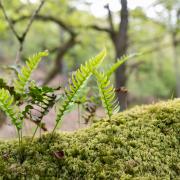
<point x="141" y="143"/>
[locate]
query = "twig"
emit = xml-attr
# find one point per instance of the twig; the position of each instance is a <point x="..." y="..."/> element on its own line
<point x="9" y="22"/>
<point x="98" y="28"/>
<point x="21" y="39"/>
<point x="40" y="17"/>
<point x="31" y="20"/>
<point x="110" y="17"/>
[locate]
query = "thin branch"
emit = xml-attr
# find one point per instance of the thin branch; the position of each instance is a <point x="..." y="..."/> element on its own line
<point x="110" y="18"/>
<point x="98" y="28"/>
<point x="9" y="21"/>
<point x="31" y="20"/>
<point x="21" y="38"/>
<point x="111" y="31"/>
<point x="46" y="18"/>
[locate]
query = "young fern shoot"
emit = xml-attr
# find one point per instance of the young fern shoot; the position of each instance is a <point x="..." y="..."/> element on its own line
<point x="26" y="71"/>
<point x="107" y="93"/>
<point x="77" y="82"/>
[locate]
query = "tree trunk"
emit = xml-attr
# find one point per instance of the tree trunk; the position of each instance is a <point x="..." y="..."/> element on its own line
<point x="120" y="44"/>
<point x="176" y="64"/>
<point x="121" y="79"/>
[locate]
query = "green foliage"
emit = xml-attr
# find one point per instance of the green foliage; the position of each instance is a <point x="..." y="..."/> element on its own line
<point x="11" y="96"/>
<point x="42" y="99"/>
<point x="107" y="93"/>
<point x="26" y="71"/>
<point x="119" y="62"/>
<point x="2" y="83"/>
<point x="141" y="143"/>
<point x="77" y="82"/>
<point x="11" y="90"/>
<point x="11" y="110"/>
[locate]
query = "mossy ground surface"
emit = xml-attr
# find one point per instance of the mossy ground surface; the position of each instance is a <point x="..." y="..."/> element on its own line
<point x="141" y="143"/>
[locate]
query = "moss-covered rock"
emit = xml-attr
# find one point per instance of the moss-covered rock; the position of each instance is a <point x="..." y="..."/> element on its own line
<point x="141" y="143"/>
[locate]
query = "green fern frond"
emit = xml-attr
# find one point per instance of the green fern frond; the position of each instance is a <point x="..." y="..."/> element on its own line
<point x="107" y="93"/>
<point x="77" y="82"/>
<point x="7" y="105"/>
<point x="119" y="62"/>
<point x="26" y="71"/>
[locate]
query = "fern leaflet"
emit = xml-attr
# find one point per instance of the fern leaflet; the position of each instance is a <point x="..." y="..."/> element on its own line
<point x="7" y="105"/>
<point x="107" y="93"/>
<point x="119" y="62"/>
<point x="77" y="82"/>
<point x="26" y="71"/>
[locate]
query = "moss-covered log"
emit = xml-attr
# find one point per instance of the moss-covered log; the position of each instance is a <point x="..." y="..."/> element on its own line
<point x="141" y="143"/>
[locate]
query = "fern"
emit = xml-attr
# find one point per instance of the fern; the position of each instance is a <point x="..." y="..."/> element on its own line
<point x="77" y="82"/>
<point x="40" y="99"/>
<point x="7" y="105"/>
<point x="107" y="93"/>
<point x="119" y="62"/>
<point x="26" y="71"/>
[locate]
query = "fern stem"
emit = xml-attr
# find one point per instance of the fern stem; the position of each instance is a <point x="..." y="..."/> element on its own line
<point x="79" y="116"/>
<point x="54" y="128"/>
<point x="19" y="138"/>
<point x="21" y="135"/>
<point x="34" y="133"/>
<point x="66" y="107"/>
<point x="106" y="102"/>
<point x="40" y="132"/>
<point x="107" y="93"/>
<point x="78" y="80"/>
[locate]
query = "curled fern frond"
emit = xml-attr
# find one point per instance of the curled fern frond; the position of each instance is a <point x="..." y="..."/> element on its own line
<point x="26" y="71"/>
<point x="119" y="62"/>
<point x="7" y="105"/>
<point x="107" y="93"/>
<point x="77" y="82"/>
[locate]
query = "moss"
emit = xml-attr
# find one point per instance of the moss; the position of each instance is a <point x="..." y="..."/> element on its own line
<point x="141" y="143"/>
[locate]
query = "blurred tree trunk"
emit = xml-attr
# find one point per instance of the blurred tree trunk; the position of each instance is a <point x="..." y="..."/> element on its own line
<point x="120" y="44"/>
<point x="175" y="43"/>
<point x="176" y="63"/>
<point x="119" y="39"/>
